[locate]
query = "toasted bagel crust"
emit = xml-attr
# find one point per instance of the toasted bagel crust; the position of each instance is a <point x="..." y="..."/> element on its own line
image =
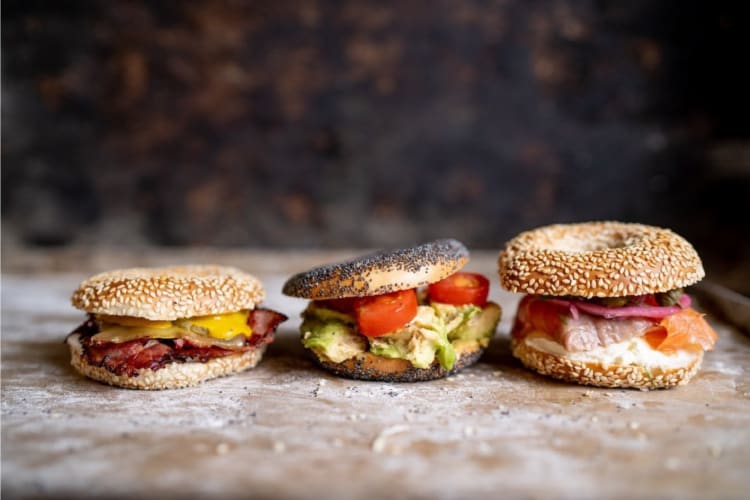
<point x="368" y="366"/>
<point x="598" y="259"/>
<point x="596" y="374"/>
<point x="172" y="376"/>
<point x="169" y="293"/>
<point x="381" y="272"/>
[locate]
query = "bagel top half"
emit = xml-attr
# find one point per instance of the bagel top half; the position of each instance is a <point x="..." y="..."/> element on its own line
<point x="169" y="293"/>
<point x="381" y="272"/>
<point x="598" y="259"/>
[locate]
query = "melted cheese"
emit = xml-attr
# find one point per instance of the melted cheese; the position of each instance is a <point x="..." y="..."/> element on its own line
<point x="120" y="334"/>
<point x="221" y="327"/>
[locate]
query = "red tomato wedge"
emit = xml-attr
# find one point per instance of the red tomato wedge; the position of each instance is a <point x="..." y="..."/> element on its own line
<point x="683" y="330"/>
<point x="345" y="305"/>
<point x="460" y="289"/>
<point x="380" y="314"/>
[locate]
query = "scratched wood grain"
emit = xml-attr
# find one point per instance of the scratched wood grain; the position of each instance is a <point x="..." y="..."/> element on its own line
<point x="289" y="430"/>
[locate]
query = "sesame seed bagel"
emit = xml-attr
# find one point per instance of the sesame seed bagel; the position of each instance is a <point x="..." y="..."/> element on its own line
<point x="368" y="366"/>
<point x="169" y="293"/>
<point x="598" y="259"/>
<point x="381" y="272"/>
<point x="171" y="376"/>
<point x="605" y="375"/>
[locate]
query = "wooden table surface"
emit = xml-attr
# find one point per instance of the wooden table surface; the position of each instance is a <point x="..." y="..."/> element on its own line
<point x="289" y="430"/>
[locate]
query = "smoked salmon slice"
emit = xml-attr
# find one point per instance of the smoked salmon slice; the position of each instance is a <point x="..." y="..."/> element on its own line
<point x="686" y="329"/>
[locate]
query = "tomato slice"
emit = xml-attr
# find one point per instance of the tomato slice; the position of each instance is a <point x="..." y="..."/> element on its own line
<point x="380" y="314"/>
<point x="345" y="305"/>
<point x="461" y="288"/>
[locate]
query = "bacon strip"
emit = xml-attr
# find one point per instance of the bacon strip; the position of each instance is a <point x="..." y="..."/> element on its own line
<point x="263" y="322"/>
<point x="129" y="357"/>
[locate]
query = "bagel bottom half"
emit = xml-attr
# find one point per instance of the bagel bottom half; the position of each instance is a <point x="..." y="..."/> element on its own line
<point x="171" y="376"/>
<point x="368" y="366"/>
<point x="601" y="375"/>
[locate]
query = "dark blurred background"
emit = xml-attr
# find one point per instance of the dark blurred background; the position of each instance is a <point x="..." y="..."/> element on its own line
<point x="362" y="124"/>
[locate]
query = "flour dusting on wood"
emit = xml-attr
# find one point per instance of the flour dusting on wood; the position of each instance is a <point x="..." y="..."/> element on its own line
<point x="288" y="429"/>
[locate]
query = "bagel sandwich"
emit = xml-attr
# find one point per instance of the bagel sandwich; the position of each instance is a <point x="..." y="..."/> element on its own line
<point x="170" y="327"/>
<point x="604" y="304"/>
<point x="402" y="315"/>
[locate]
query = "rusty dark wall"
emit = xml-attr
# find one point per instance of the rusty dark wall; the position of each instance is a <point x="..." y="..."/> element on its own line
<point x="372" y="123"/>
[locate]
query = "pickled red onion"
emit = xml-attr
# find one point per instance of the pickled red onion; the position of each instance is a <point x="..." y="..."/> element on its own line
<point x="653" y="312"/>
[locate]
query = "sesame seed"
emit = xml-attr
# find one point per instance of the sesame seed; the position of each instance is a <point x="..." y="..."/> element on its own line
<point x="598" y="259"/>
<point x="626" y="376"/>
<point x="169" y="292"/>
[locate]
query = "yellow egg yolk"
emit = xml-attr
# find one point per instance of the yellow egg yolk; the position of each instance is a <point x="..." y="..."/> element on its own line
<point x="224" y="326"/>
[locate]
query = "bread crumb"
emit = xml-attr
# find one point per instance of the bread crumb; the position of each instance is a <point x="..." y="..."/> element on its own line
<point x="378" y="444"/>
<point x="594" y="418"/>
<point x="469" y="431"/>
<point x="587" y="394"/>
<point x="221" y="449"/>
<point x="322" y="382"/>
<point x="634" y="425"/>
<point x="279" y="447"/>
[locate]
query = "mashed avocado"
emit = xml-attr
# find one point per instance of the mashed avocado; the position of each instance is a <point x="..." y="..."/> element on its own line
<point x="433" y="333"/>
<point x="331" y="335"/>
